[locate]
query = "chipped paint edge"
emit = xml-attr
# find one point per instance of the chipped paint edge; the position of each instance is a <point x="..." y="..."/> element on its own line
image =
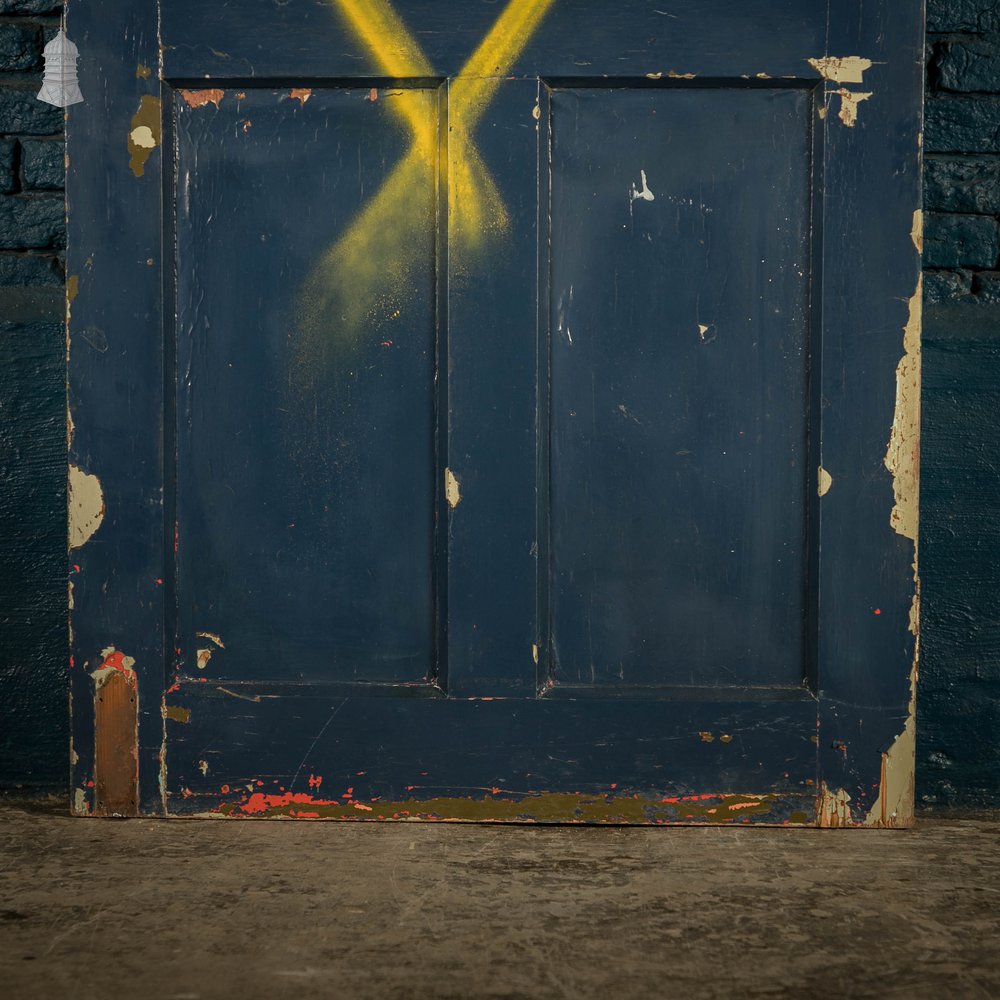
<point x="452" y="489"/>
<point x="85" y="506"/>
<point x="729" y="809"/>
<point x="841" y="69"/>
<point x="895" y="804"/>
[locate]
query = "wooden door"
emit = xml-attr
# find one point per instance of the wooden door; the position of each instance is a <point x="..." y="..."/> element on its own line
<point x="495" y="411"/>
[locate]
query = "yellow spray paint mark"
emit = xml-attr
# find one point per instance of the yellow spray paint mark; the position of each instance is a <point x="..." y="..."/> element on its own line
<point x="365" y="277"/>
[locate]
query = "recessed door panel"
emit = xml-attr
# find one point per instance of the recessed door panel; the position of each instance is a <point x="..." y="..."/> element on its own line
<point x="305" y="388"/>
<point x="680" y="346"/>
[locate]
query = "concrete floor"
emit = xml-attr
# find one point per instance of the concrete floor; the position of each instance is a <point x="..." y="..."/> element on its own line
<point x="191" y="910"/>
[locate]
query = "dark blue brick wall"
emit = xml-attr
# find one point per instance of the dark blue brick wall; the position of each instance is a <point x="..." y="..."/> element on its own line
<point x="33" y="632"/>
<point x="958" y="708"/>
<point x="959" y="704"/>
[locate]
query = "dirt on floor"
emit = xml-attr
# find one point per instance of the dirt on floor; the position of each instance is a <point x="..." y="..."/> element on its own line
<point x="193" y="910"/>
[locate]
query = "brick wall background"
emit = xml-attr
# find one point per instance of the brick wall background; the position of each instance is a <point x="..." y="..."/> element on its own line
<point x="959" y="705"/>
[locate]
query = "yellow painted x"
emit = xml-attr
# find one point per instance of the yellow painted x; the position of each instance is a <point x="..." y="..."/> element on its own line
<point x="366" y="276"/>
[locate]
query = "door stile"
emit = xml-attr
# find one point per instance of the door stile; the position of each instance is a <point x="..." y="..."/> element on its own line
<point x="115" y="411"/>
<point x="492" y="369"/>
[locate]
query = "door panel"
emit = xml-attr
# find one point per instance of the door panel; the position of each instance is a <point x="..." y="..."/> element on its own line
<point x="305" y="421"/>
<point x="680" y="346"/>
<point x="480" y="411"/>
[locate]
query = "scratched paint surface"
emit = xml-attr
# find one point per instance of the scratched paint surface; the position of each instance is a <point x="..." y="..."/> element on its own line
<point x="306" y="463"/>
<point x="416" y="245"/>
<point x="680" y="479"/>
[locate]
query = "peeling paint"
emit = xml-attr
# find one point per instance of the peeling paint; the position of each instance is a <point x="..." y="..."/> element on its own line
<point x="534" y="652"/>
<point x="142" y="72"/>
<point x="212" y="637"/>
<point x="902" y="457"/>
<point x="841" y="69"/>
<point x="300" y="94"/>
<point x="85" y="505"/>
<point x="572" y="807"/>
<point x="203" y="656"/>
<point x="176" y="713"/>
<point x="833" y="808"/>
<point x="203" y="766"/>
<point x="849" y="101"/>
<point x="917" y="230"/>
<point x="823" y="481"/>
<point x="643" y="193"/>
<point x="72" y="288"/>
<point x="452" y="489"/>
<point x="199" y="98"/>
<point x="113" y="662"/>
<point x="80" y="802"/>
<point x="144" y="133"/>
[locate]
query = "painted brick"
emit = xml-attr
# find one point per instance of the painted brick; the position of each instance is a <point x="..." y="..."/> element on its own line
<point x="43" y="164"/>
<point x="31" y="222"/>
<point x="960" y="240"/>
<point x="8" y="181"/>
<point x="962" y="184"/>
<point x="954" y="124"/>
<point x="968" y="65"/>
<point x="20" y="47"/>
<point x="21" y="112"/>
<point x="963" y="15"/>
<point x="946" y="286"/>
<point x="30" y="6"/>
<point x="986" y="286"/>
<point x="28" y="269"/>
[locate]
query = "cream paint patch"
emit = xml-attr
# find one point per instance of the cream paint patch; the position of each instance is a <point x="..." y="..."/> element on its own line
<point x="849" y="101"/>
<point x="823" y="481"/>
<point x="841" y="69"/>
<point x="917" y="231"/>
<point x="833" y="808"/>
<point x="452" y="489"/>
<point x="896" y="799"/>
<point x="143" y="136"/>
<point x="86" y="506"/>
<point x="902" y="457"/>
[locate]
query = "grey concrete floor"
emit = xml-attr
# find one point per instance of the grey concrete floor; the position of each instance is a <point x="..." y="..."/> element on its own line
<point x="192" y="910"/>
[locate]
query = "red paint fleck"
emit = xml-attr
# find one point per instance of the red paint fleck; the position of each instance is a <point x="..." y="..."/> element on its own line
<point x="496" y="791"/>
<point x="878" y="611"/>
<point x="260" y="784"/>
<point x="72" y="662"/>
<point x="315" y="780"/>
<point x="225" y="789"/>
<point x="362" y="806"/>
<point x="90" y="784"/>
<point x="360" y="772"/>
<point x="176" y="686"/>
<point x="116" y="661"/>
<point x="373" y="94"/>
<point x="614" y="784"/>
<point x="347" y="794"/>
<point x="159" y="582"/>
<point x="76" y="567"/>
<point x="387" y="343"/>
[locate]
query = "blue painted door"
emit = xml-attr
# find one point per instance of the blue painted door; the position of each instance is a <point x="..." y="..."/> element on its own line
<point x="496" y="410"/>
